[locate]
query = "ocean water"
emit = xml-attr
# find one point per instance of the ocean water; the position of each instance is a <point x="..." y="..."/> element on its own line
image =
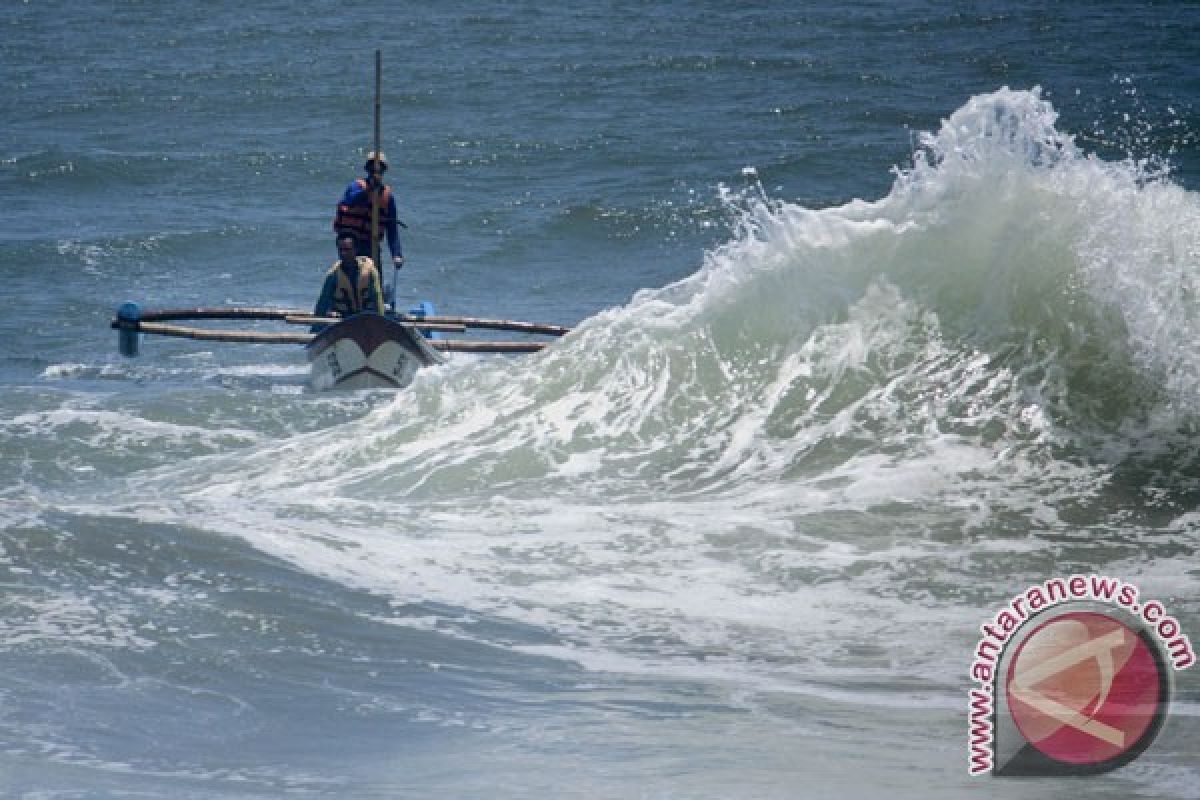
<point x="882" y="312"/>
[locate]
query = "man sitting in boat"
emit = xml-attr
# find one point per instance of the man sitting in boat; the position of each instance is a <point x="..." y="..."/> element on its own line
<point x="354" y="212"/>
<point x="352" y="284"/>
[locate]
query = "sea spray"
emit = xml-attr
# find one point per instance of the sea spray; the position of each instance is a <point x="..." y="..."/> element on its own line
<point x="733" y="537"/>
<point x="976" y="300"/>
<point x="746" y="464"/>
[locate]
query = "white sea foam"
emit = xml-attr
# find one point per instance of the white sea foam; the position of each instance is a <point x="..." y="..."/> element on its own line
<point x="99" y="428"/>
<point x="782" y="463"/>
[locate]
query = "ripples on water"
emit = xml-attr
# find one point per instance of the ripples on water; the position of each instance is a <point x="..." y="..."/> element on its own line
<point x="688" y="550"/>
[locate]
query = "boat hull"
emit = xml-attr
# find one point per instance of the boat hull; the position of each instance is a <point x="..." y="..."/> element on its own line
<point x="368" y="351"/>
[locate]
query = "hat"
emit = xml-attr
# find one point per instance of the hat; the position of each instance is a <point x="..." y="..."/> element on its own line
<point x="383" y="162"/>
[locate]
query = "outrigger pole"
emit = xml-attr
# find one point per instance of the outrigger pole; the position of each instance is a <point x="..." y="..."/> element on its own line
<point x="131" y="313"/>
<point x="264" y="337"/>
<point x="131" y="321"/>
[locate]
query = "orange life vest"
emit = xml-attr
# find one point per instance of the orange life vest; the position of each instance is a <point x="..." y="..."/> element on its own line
<point x="364" y="294"/>
<point x="357" y="218"/>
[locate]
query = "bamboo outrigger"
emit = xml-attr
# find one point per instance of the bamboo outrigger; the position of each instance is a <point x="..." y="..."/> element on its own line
<point x="365" y="350"/>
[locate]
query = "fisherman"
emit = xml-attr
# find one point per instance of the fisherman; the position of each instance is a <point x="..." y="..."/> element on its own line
<point x="352" y="284"/>
<point x="354" y="212"/>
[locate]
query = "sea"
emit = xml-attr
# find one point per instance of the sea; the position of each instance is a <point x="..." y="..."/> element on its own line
<point x="881" y="313"/>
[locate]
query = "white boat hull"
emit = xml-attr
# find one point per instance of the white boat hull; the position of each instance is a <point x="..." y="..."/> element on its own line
<point x="368" y="351"/>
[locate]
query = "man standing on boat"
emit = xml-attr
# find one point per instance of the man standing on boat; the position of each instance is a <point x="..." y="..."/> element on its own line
<point x="352" y="284"/>
<point x="354" y="211"/>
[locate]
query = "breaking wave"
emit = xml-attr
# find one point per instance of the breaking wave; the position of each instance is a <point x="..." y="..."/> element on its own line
<point x="760" y="458"/>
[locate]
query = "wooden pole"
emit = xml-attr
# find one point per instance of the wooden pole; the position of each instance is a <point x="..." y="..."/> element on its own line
<point x="229" y="312"/>
<point x="494" y="324"/>
<point x="210" y="335"/>
<point x="261" y="337"/>
<point x="471" y="346"/>
<point x="296" y="314"/>
<point x="376" y="167"/>
<point x="441" y="327"/>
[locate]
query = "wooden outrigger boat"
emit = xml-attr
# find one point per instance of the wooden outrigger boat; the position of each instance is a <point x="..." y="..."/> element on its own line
<point x="367" y="350"/>
<point x="359" y="352"/>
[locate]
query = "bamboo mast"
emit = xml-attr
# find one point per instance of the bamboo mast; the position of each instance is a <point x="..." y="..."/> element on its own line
<point x="377" y="167"/>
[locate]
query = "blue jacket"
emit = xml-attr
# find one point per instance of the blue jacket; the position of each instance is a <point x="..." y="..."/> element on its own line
<point x="358" y="194"/>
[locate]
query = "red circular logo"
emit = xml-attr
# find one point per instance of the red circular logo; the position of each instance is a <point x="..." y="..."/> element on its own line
<point x="1086" y="689"/>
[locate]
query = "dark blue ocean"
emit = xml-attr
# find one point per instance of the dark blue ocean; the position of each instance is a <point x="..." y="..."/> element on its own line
<point x="882" y="313"/>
